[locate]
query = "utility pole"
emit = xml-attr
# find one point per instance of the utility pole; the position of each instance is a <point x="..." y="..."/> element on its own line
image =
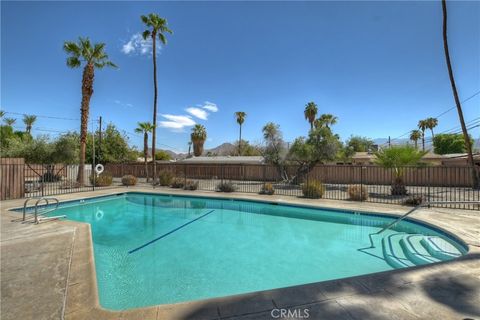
<point x="189" y="147"/>
<point x="389" y="142"/>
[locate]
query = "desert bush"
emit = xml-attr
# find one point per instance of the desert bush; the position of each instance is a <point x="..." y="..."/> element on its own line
<point x="313" y="189"/>
<point x="191" y="185"/>
<point x="414" y="200"/>
<point x="226" y="187"/>
<point x="268" y="189"/>
<point x="177" y="183"/>
<point x="102" y="180"/>
<point x="357" y="192"/>
<point x="129" y="180"/>
<point x="165" y="178"/>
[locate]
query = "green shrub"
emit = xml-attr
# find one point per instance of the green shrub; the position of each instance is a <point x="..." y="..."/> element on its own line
<point x="267" y="189"/>
<point x="191" y="185"/>
<point x="226" y="187"/>
<point x="357" y="192"/>
<point x="102" y="180"/>
<point x="70" y="184"/>
<point x="50" y="177"/>
<point x="414" y="201"/>
<point x="177" y="183"/>
<point x="313" y="189"/>
<point x="129" y="180"/>
<point x="165" y="178"/>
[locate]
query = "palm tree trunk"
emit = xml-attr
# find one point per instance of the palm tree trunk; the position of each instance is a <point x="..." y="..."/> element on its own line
<point x="87" y="91"/>
<point x="423" y="140"/>
<point x="154" y="132"/>
<point x="433" y="136"/>
<point x="240" y="142"/>
<point x="145" y="153"/>
<point x="468" y="145"/>
<point x="311" y="125"/>
<point x="416" y="144"/>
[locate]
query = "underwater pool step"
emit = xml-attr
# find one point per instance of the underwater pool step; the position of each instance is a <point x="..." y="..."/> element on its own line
<point x="440" y="248"/>
<point x="415" y="251"/>
<point x="394" y="253"/>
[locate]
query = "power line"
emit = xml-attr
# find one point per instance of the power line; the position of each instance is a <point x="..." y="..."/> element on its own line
<point x="41" y="116"/>
<point x="438" y="116"/>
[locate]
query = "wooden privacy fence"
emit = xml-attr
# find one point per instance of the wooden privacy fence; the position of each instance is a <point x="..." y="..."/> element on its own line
<point x="12" y="178"/>
<point x="434" y="176"/>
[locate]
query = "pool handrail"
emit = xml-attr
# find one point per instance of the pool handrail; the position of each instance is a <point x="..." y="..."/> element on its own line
<point x="428" y="203"/>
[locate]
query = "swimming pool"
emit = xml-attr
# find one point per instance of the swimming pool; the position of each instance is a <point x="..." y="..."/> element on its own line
<point x="157" y="249"/>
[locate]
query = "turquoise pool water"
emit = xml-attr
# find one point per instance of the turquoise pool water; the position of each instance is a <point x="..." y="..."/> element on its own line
<point x="154" y="249"/>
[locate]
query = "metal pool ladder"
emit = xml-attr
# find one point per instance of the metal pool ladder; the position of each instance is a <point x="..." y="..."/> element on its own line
<point x="41" y="213"/>
<point x="428" y="203"/>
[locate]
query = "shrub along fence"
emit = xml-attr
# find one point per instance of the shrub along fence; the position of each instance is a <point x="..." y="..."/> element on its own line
<point x="341" y="182"/>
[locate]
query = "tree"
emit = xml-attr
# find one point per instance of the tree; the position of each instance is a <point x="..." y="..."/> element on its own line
<point x="92" y="56"/>
<point x="162" y="155"/>
<point x="115" y="146"/>
<point x="29" y="120"/>
<point x="449" y="143"/>
<point x="145" y="128"/>
<point x="431" y="123"/>
<point x="396" y="158"/>
<point x="157" y="26"/>
<point x="9" y="121"/>
<point x="360" y="144"/>
<point x="415" y="135"/>
<point x="466" y="137"/>
<point x="198" y="137"/>
<point x="2" y="114"/>
<point x="320" y="146"/>
<point x="247" y="150"/>
<point x="240" y="117"/>
<point x="326" y="120"/>
<point x="310" y="113"/>
<point x="423" y="125"/>
<point x="274" y="151"/>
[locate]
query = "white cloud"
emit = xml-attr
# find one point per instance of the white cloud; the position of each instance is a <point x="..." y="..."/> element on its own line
<point x="125" y="105"/>
<point x="138" y="45"/>
<point x="210" y="106"/>
<point x="197" y="112"/>
<point x="175" y="122"/>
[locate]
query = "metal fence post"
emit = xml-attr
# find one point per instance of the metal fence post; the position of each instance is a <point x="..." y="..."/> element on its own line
<point x="184" y="173"/>
<point x="361" y="182"/>
<point x="221" y="173"/>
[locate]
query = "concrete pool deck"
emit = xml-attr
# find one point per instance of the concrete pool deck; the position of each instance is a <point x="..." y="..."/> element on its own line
<point x="48" y="272"/>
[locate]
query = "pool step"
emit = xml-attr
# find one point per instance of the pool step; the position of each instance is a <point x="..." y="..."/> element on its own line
<point x="441" y="249"/>
<point x="403" y="250"/>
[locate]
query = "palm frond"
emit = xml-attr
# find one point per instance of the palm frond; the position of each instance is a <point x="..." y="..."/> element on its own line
<point x="146" y="34"/>
<point x="73" y="62"/>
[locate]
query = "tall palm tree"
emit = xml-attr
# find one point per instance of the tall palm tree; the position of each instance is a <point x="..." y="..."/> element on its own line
<point x="310" y="113"/>
<point x="157" y="26"/>
<point x="9" y="121"/>
<point x="92" y="56"/>
<point x="29" y="120"/>
<point x="326" y="120"/>
<point x="415" y="135"/>
<point x="466" y="137"/>
<point x="144" y="128"/>
<point x="431" y="123"/>
<point x="423" y="125"/>
<point x="198" y="136"/>
<point x="240" y="117"/>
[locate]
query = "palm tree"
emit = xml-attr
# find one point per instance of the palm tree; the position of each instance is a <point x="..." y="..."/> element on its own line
<point x="423" y="125"/>
<point x="326" y="120"/>
<point x="157" y="26"/>
<point x="310" y="113"/>
<point x="396" y="158"/>
<point x="189" y="148"/>
<point x="144" y="128"/>
<point x="198" y="136"/>
<point x="240" y="117"/>
<point x="2" y="114"/>
<point x="431" y="123"/>
<point x="93" y="57"/>
<point x="29" y="120"/>
<point x="9" y="121"/>
<point x="466" y="137"/>
<point x="415" y="135"/>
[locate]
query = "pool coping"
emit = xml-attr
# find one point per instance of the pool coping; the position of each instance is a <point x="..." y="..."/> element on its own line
<point x="82" y="293"/>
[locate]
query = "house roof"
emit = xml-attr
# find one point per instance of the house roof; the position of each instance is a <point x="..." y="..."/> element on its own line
<point x="224" y="159"/>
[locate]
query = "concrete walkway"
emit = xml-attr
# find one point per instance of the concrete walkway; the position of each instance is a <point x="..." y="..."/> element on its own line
<point x="47" y="272"/>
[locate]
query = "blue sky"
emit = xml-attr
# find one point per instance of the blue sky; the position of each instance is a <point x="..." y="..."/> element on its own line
<point x="378" y="66"/>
